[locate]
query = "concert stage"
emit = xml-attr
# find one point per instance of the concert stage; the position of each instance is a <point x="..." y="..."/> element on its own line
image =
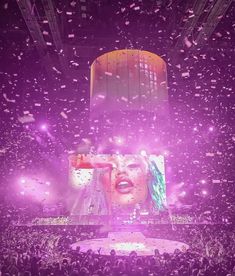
<point x="126" y="242"/>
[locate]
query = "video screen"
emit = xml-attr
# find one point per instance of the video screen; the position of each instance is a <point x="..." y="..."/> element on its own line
<point x="111" y="184"/>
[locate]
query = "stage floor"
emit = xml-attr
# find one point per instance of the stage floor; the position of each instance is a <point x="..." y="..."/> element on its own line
<point x="125" y="242"/>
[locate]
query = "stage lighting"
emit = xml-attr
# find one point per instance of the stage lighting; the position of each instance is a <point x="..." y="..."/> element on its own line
<point x="181" y="184"/>
<point x="80" y="178"/>
<point x="22" y="180"/>
<point x="166" y="153"/>
<point x="211" y="129"/>
<point x="204" y="192"/>
<point x="143" y="152"/>
<point x="118" y="140"/>
<point x="43" y="127"/>
<point x="144" y="213"/>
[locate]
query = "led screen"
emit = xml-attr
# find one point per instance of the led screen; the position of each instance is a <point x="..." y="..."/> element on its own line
<point x="116" y="184"/>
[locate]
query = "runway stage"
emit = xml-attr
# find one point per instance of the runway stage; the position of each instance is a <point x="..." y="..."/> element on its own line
<point x="125" y="242"/>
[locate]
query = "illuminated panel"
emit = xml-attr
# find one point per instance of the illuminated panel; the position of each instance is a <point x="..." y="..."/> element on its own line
<point x="128" y="80"/>
<point x="106" y="184"/>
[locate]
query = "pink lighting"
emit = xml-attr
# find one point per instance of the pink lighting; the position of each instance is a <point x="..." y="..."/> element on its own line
<point x="22" y="181"/>
<point x="143" y="152"/>
<point x="43" y="127"/>
<point x="81" y="178"/>
<point x="118" y="140"/>
<point x="166" y="153"/>
<point x="181" y="184"/>
<point x="211" y="128"/>
<point x="204" y="192"/>
<point x="35" y="188"/>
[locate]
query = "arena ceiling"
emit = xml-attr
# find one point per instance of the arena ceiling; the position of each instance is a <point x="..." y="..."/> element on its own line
<point x="68" y="35"/>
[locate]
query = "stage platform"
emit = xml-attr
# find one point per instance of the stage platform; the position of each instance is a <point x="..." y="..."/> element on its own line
<point x="126" y="242"/>
<point x="111" y="220"/>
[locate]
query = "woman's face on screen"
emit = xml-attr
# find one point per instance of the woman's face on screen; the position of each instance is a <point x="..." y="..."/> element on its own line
<point x="126" y="182"/>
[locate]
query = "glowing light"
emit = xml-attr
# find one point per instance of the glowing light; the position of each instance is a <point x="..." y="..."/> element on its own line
<point x="22" y="180"/>
<point x="144" y="213"/>
<point x="118" y="140"/>
<point x="195" y="129"/>
<point x="166" y="153"/>
<point x="183" y="193"/>
<point x="22" y="192"/>
<point x="204" y="192"/>
<point x="48" y="183"/>
<point x="81" y="177"/>
<point x="211" y="128"/>
<point x="203" y="181"/>
<point x="47" y="193"/>
<point x="181" y="184"/>
<point x="43" y="127"/>
<point x="128" y="246"/>
<point x="143" y="153"/>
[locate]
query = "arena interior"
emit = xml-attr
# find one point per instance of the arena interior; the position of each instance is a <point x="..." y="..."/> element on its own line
<point x="117" y="138"/>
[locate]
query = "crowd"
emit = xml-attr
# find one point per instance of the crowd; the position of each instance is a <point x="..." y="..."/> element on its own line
<point x="45" y="250"/>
